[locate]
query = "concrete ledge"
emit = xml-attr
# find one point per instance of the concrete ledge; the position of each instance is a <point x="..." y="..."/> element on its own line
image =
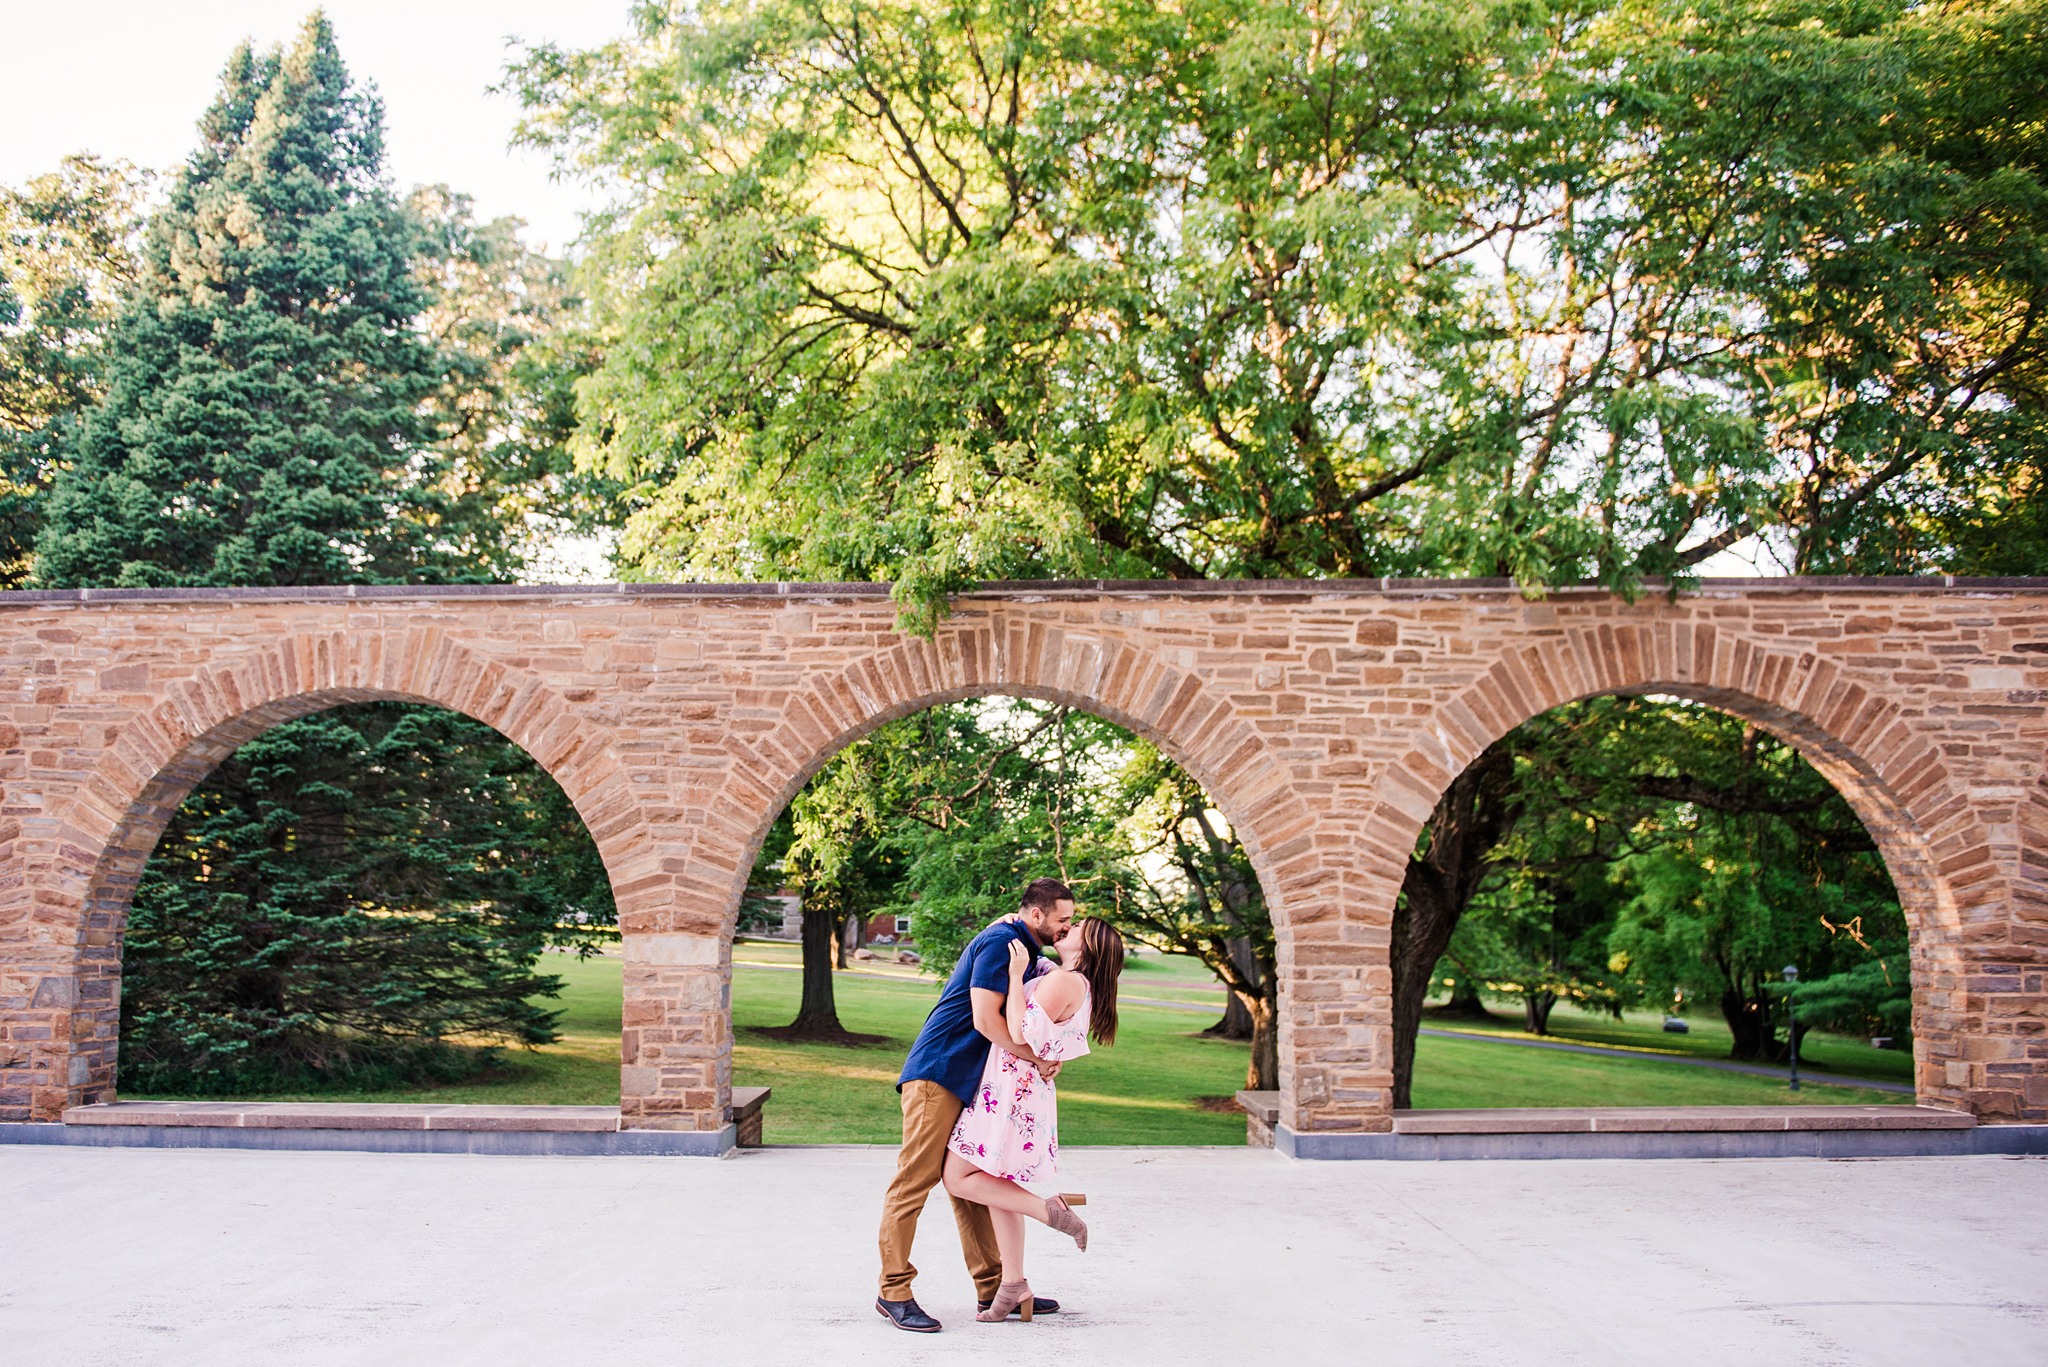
<point x="1781" y="1143"/>
<point x="1678" y="1119"/>
<point x="342" y="1115"/>
<point x="570" y="1143"/>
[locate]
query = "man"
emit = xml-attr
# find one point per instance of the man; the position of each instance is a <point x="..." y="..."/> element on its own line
<point x="939" y="1079"/>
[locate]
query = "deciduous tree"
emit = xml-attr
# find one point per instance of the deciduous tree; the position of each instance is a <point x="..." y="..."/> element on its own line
<point x="67" y="257"/>
<point x="1004" y="289"/>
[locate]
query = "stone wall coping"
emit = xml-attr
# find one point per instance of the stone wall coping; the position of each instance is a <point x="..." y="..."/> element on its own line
<point x="1678" y="1119"/>
<point x="1024" y="590"/>
<point x="1834" y="1144"/>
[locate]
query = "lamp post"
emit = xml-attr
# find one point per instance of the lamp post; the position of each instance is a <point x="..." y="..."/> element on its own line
<point x="1792" y="1018"/>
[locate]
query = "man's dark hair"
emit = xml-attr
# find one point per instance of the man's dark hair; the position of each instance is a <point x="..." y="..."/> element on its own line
<point x="1041" y="893"/>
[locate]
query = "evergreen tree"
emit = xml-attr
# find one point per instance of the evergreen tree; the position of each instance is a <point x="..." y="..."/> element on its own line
<point x="341" y="896"/>
<point x="349" y="891"/>
<point x="262" y="422"/>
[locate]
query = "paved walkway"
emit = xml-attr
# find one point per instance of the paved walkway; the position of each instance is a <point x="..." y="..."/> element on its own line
<point x="1199" y="1256"/>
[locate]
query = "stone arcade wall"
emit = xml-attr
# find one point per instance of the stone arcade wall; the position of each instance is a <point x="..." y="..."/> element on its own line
<point x="1325" y="718"/>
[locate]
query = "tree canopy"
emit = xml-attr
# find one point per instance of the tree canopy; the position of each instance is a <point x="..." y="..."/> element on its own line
<point x="66" y="260"/>
<point x="999" y="290"/>
<point x="1003" y="290"/>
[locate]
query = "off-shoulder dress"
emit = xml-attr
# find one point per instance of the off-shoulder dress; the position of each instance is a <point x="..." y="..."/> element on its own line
<point x="1012" y="1128"/>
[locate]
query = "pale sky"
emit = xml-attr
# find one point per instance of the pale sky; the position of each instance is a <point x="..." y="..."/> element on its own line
<point x="130" y="80"/>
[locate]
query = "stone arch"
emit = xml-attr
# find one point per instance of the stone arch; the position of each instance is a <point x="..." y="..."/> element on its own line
<point x="677" y="1040"/>
<point x="1933" y="845"/>
<point x="182" y="730"/>
<point x="1188" y="719"/>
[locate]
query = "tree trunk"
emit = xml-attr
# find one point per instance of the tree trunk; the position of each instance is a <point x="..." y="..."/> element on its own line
<point x="818" y="1013"/>
<point x="1469" y="820"/>
<point x="1749" y="1022"/>
<point x="849" y="940"/>
<point x="1422" y="928"/>
<point x="1236" y="1022"/>
<point x="1465" y="999"/>
<point x="1536" y="1011"/>
<point x="1237" y="1017"/>
<point x="1263" y="1073"/>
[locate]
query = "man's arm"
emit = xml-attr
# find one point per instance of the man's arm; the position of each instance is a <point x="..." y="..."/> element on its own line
<point x="988" y="1019"/>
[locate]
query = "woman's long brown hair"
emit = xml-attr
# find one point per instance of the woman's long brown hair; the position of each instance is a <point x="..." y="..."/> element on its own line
<point x="1102" y="963"/>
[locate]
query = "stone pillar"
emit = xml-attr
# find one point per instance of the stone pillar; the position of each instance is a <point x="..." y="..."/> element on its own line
<point x="1336" y="1040"/>
<point x="1333" y="925"/>
<point x="1993" y="1062"/>
<point x="675" y="1048"/>
<point x="58" y="1032"/>
<point x="35" y="1040"/>
<point x="60" y="963"/>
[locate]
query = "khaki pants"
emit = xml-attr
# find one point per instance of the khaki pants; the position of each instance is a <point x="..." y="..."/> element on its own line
<point x="929" y="1112"/>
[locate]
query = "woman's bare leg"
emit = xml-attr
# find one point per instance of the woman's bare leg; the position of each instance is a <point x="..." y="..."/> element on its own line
<point x="1009" y="1242"/>
<point x="970" y="1183"/>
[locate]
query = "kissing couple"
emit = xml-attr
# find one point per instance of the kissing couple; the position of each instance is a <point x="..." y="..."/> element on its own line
<point x="980" y="1111"/>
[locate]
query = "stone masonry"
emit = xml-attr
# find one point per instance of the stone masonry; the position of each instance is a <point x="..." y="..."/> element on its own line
<point x="1324" y="718"/>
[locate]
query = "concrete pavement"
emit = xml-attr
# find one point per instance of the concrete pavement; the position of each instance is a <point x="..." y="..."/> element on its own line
<point x="155" y="1256"/>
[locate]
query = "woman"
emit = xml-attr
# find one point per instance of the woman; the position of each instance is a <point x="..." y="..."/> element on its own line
<point x="1010" y="1134"/>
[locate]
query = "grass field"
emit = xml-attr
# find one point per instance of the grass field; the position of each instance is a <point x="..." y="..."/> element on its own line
<point x="1140" y="1092"/>
<point x="1144" y="1090"/>
<point x="1707" y="1038"/>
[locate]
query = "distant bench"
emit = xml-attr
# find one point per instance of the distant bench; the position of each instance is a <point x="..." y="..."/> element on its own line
<point x="745" y="1112"/>
<point x="1261" y="1114"/>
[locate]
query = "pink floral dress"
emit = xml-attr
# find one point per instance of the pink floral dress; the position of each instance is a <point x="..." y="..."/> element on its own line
<point x="1012" y="1129"/>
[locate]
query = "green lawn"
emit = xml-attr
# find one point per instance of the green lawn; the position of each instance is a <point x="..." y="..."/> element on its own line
<point x="1472" y="1073"/>
<point x="1707" y="1038"/>
<point x="579" y="1069"/>
<point x="1140" y="1092"/>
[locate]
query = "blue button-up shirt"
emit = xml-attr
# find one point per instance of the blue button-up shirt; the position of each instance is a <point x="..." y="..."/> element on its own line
<point x="949" y="1050"/>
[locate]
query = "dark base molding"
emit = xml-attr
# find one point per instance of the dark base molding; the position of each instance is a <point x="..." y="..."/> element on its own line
<point x="1902" y="1143"/>
<point x="521" y="1143"/>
